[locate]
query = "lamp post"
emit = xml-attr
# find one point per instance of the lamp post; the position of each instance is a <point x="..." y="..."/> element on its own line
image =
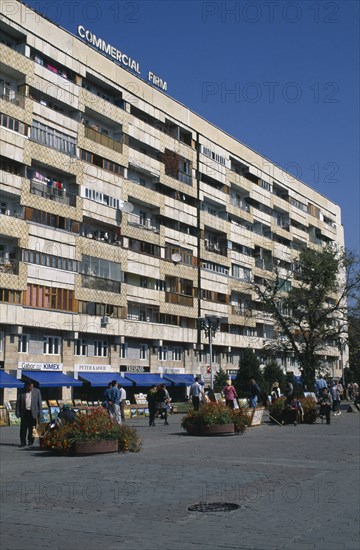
<point x="210" y="325"/>
<point x="342" y="344"/>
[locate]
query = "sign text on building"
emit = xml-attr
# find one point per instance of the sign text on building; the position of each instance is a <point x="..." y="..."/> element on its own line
<point x="119" y="57"/>
<point x="23" y="365"/>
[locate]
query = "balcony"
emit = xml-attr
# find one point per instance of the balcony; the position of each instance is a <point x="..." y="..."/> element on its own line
<point x="241" y="311"/>
<point x="54" y="193"/>
<point x="103" y="139"/>
<point x="145" y="223"/>
<point x="8" y="265"/>
<point x="178" y="299"/>
<point x="239" y="203"/>
<point x="263" y="264"/>
<point x="97" y="283"/>
<point x="13" y="97"/>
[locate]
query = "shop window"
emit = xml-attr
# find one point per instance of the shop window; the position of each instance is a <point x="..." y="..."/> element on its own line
<point x="163" y="353"/>
<point x="143" y="351"/>
<point x="177" y="354"/>
<point x="123" y="351"/>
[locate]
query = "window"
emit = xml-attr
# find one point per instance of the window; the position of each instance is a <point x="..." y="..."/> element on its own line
<point x="2" y="341"/>
<point x="240" y="272"/>
<point x="52" y="345"/>
<point x="80" y="347"/>
<point x="123" y="351"/>
<point x="101" y="348"/>
<point x="50" y="298"/>
<point x="55" y="262"/>
<point x="53" y="138"/>
<point x="13" y="124"/>
<point x="177" y="354"/>
<point x="23" y="343"/>
<point x="52" y="220"/>
<point x="162" y="353"/>
<point x="143" y="351"/>
<point x="10" y="296"/>
<point x="186" y="254"/>
<point x="102" y="163"/>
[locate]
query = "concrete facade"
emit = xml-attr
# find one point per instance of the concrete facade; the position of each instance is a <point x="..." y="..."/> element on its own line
<point x="83" y="279"/>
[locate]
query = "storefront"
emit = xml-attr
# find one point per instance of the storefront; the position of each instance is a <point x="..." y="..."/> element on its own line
<point x="96" y="379"/>
<point x="49" y="378"/>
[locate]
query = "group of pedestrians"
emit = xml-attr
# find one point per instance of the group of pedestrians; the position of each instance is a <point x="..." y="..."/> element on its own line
<point x="114" y="401"/>
<point x="158" y="399"/>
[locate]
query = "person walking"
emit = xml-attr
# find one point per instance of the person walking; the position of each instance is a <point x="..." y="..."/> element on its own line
<point x="254" y="393"/>
<point x="28" y="408"/>
<point x="152" y="404"/>
<point x="230" y="395"/>
<point x="122" y="400"/>
<point x="325" y="401"/>
<point x="162" y="397"/>
<point x="320" y="384"/>
<point x="335" y="394"/>
<point x="195" y="393"/>
<point x="114" y="402"/>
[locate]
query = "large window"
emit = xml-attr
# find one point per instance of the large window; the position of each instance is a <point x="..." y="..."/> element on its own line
<point x="10" y="296"/>
<point x="53" y="138"/>
<point x="100" y="274"/>
<point x="13" y="124"/>
<point x="23" y="343"/>
<point x="102" y="163"/>
<point x="52" y="345"/>
<point x="185" y="254"/>
<point x="50" y="298"/>
<point x="240" y="272"/>
<point x="48" y="260"/>
<point x="52" y="220"/>
<point x="80" y="346"/>
<point x="101" y="348"/>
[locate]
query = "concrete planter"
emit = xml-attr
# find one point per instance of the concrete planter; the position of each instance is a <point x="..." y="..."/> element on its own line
<point x="95" y="446"/>
<point x="216" y="429"/>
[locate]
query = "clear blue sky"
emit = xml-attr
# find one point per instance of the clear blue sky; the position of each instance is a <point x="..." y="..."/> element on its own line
<point x="293" y="67"/>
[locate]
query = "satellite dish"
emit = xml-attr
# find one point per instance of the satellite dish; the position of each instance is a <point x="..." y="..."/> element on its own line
<point x="127" y="207"/>
<point x="176" y="258"/>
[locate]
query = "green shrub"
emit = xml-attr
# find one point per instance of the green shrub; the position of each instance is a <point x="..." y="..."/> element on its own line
<point x="216" y="413"/>
<point x="310" y="409"/>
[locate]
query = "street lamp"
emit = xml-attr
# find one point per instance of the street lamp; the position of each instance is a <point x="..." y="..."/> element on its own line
<point x="210" y="325"/>
<point x="342" y="345"/>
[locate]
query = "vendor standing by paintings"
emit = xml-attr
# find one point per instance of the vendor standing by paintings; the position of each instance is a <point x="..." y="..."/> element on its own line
<point x="230" y="395"/>
<point x="28" y="408"/>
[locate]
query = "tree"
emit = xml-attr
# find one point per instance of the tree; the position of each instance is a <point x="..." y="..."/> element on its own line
<point x="352" y="374"/>
<point x="220" y="380"/>
<point x="249" y="367"/>
<point x="308" y="305"/>
<point x="273" y="373"/>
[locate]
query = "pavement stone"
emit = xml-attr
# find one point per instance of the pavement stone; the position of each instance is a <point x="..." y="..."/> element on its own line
<point x="297" y="488"/>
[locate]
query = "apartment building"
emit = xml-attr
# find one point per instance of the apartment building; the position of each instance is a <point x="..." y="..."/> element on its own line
<point x="125" y="216"/>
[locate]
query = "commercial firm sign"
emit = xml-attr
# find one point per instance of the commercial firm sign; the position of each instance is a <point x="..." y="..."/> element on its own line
<point x="119" y="57"/>
<point x="23" y="365"/>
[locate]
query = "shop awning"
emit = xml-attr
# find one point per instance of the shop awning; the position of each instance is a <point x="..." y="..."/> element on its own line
<point x="145" y="380"/>
<point x="50" y="379"/>
<point x="180" y="379"/>
<point x="102" y="379"/>
<point x="8" y="381"/>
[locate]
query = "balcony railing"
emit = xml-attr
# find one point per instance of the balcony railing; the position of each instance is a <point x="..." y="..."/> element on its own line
<point x="52" y="193"/>
<point x="179" y="299"/>
<point x="241" y="311"/>
<point x="263" y="264"/>
<point x="134" y="219"/>
<point x="103" y="139"/>
<point x="215" y="248"/>
<point x="239" y="203"/>
<point x="13" y="97"/>
<point x="9" y="266"/>
<point x="97" y="283"/>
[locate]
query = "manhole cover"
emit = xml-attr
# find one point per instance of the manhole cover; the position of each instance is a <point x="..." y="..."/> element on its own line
<point x="213" y="507"/>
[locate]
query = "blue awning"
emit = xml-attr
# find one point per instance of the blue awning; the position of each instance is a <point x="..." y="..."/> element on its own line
<point x="102" y="379"/>
<point x="180" y="379"/>
<point x="8" y="381"/>
<point x="49" y="379"/>
<point x="145" y="380"/>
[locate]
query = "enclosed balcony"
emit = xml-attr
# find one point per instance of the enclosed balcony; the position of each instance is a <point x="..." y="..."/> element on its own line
<point x="52" y="185"/>
<point x="9" y="255"/>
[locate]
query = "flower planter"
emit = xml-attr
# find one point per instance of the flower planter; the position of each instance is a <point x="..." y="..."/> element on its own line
<point x="95" y="446"/>
<point x="215" y="429"/>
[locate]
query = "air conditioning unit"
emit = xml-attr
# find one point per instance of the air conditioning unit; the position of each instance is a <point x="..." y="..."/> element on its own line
<point x="104" y="320"/>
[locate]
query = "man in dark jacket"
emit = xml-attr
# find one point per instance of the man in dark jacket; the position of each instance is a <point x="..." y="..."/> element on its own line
<point x="28" y="407"/>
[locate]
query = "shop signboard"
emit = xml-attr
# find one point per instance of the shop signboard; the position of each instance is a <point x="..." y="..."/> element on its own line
<point x="134" y="368"/>
<point x="93" y="368"/>
<point x="25" y="365"/>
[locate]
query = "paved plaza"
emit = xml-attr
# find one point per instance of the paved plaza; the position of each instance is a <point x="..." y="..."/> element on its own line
<point x="297" y="488"/>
